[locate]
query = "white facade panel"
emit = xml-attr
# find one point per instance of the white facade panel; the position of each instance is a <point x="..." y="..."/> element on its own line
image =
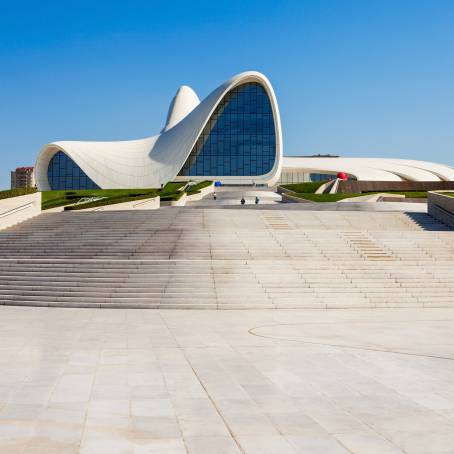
<point x="371" y="169"/>
<point x="154" y="161"/>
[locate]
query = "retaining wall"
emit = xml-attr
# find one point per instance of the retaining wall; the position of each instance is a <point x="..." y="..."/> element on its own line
<point x="199" y="196"/>
<point x="152" y="203"/>
<point x="353" y="186"/>
<point x="441" y="207"/>
<point x="18" y="209"/>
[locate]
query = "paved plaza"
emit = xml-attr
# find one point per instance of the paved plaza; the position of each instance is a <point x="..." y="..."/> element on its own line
<point x="113" y="361"/>
<point x="201" y="382"/>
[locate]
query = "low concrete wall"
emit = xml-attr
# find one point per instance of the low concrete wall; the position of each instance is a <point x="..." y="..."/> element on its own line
<point x="441" y="207"/>
<point x="189" y="198"/>
<point x="181" y="202"/>
<point x="142" y="204"/>
<point x="18" y="209"/>
<point x="282" y="190"/>
<point x="404" y="199"/>
<point x="288" y="198"/>
<point x="203" y="192"/>
<point x="372" y="198"/>
<point x="353" y="186"/>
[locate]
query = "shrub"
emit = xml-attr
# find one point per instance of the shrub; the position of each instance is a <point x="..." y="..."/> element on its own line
<point x="109" y="201"/>
<point x="16" y="192"/>
<point x="172" y="197"/>
<point x="324" y="197"/>
<point x="306" y="188"/>
<point x="172" y="187"/>
<point x="195" y="189"/>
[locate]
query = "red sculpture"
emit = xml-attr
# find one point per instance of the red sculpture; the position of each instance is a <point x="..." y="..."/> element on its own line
<point x="342" y="176"/>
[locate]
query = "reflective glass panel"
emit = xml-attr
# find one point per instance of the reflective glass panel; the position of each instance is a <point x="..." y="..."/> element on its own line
<point x="64" y="173"/>
<point x="322" y="176"/>
<point x="239" y="139"/>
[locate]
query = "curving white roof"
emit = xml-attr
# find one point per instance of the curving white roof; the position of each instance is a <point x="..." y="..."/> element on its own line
<point x="372" y="169"/>
<point x="156" y="160"/>
<point x="183" y="102"/>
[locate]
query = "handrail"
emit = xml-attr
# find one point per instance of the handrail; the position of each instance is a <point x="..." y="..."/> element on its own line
<point x="143" y="202"/>
<point x="83" y="200"/>
<point x="16" y="209"/>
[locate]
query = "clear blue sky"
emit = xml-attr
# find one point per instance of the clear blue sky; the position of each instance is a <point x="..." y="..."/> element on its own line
<point x="356" y="78"/>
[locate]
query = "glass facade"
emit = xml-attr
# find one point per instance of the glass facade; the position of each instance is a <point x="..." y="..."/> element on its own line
<point x="295" y="176"/>
<point x="322" y="176"/>
<point x="64" y="173"/>
<point x="239" y="139"/>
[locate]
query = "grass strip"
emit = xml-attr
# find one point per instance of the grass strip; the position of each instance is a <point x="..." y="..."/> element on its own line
<point x="323" y="197"/>
<point x="8" y="193"/>
<point x="195" y="189"/>
<point x="172" y="197"/>
<point x="110" y="201"/>
<point x="52" y="199"/>
<point x="304" y="188"/>
<point x="340" y="196"/>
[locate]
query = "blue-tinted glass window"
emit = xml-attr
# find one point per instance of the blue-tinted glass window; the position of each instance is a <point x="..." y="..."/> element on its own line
<point x="239" y="139"/>
<point x="64" y="173"/>
<point x="321" y="176"/>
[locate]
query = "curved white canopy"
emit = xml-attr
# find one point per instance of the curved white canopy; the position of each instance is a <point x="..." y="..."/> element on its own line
<point x="372" y="169"/>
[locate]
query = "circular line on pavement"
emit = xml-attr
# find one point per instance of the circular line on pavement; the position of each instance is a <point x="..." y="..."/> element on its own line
<point x="327" y="344"/>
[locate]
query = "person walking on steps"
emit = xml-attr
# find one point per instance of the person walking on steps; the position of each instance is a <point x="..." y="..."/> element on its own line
<point x="256" y="200"/>
<point x="214" y="195"/>
<point x="243" y="201"/>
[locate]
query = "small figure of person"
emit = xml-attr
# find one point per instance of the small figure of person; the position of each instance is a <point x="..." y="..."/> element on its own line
<point x="214" y="195"/>
<point x="256" y="200"/>
<point x="243" y="201"/>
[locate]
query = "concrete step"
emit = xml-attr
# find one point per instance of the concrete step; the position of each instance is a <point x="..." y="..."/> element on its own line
<point x="225" y="259"/>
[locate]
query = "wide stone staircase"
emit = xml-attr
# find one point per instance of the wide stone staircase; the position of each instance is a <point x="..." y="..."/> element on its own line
<point x="205" y="258"/>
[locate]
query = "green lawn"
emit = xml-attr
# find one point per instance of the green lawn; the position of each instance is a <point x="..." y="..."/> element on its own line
<point x="323" y="197"/>
<point x="305" y="188"/>
<point x="449" y="194"/>
<point x="8" y="193"/>
<point x="410" y="194"/>
<point x="195" y="189"/>
<point x="340" y="196"/>
<point x="172" y="197"/>
<point x="52" y="199"/>
<point x="171" y="191"/>
<point x="172" y="187"/>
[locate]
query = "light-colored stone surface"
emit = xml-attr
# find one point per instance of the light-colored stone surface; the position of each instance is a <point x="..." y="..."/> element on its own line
<point x="231" y="196"/>
<point x="301" y="381"/>
<point x="18" y="209"/>
<point x="441" y="207"/>
<point x="372" y="198"/>
<point x="238" y="258"/>
<point x="152" y="203"/>
<point x="204" y="192"/>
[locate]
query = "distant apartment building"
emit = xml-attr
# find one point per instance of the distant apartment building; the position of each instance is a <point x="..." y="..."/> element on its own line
<point x="23" y="177"/>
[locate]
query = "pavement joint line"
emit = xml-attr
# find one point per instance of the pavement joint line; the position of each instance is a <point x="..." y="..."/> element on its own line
<point x="200" y="381"/>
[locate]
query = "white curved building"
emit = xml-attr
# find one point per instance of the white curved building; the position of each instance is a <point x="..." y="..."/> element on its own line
<point x="233" y="135"/>
<point x="300" y="169"/>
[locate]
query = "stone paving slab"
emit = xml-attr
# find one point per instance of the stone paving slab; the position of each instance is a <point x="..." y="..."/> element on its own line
<point x="253" y="382"/>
